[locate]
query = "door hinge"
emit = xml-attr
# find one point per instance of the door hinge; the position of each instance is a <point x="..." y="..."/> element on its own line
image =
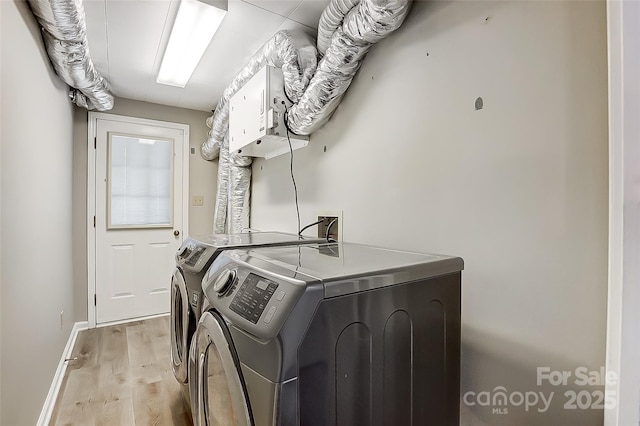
<point x="95" y="143"/>
<point x="94" y="221"/>
<point x="95" y="300"/>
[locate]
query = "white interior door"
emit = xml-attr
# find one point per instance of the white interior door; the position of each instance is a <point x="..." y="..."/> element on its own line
<point x="138" y="215"/>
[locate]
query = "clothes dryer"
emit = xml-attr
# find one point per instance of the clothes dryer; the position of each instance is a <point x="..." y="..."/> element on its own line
<point x="192" y="261"/>
<point x="328" y="334"/>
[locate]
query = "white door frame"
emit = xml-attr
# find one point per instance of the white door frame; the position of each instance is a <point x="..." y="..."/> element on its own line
<point x="91" y="193"/>
<point x="623" y="314"/>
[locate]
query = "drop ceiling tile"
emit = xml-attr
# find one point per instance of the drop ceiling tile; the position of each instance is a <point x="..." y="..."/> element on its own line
<point x="200" y="102"/>
<point x="172" y="12"/>
<point x="279" y="7"/>
<point x="151" y="85"/>
<point x="163" y="94"/>
<point x="131" y="35"/>
<point x="249" y="23"/>
<point x="129" y="77"/>
<point x="129" y="86"/>
<point x="308" y="12"/>
<point x="134" y="31"/>
<point x="212" y="90"/>
<point x="96" y="21"/>
<point x="244" y="31"/>
<point x="288" y="24"/>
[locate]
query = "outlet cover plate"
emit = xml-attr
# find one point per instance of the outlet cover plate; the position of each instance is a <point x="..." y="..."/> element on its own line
<point x="197" y="200"/>
<point x="331" y="213"/>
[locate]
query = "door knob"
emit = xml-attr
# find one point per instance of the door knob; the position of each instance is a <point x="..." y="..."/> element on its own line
<point x="176" y="233"/>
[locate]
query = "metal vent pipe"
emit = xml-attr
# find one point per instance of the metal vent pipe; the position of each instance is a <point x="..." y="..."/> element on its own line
<point x="346" y="31"/>
<point x="345" y="46"/>
<point x="65" y="37"/>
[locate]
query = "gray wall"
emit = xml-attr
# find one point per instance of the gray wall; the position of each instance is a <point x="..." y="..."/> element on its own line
<point x="202" y="180"/>
<point x="43" y="211"/>
<point x="518" y="189"/>
<point x="36" y="242"/>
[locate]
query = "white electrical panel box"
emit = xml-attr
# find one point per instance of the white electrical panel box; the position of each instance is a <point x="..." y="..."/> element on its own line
<point x="256" y="117"/>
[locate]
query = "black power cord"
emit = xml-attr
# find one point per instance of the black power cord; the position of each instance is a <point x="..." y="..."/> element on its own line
<point x="309" y="226"/>
<point x="293" y="179"/>
<point x="329" y="229"/>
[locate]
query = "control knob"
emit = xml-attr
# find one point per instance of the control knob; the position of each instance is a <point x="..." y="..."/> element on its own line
<point x="223" y="281"/>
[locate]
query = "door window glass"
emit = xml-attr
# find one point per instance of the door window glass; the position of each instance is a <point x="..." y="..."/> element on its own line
<point x="139" y="181"/>
<point x="219" y="408"/>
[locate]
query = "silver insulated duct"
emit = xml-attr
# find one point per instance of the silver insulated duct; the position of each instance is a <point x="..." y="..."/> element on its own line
<point x="366" y="23"/>
<point x="346" y="31"/>
<point x="295" y="54"/>
<point x="330" y="20"/>
<point x="292" y="51"/>
<point x="231" y="214"/>
<point x="65" y="37"/>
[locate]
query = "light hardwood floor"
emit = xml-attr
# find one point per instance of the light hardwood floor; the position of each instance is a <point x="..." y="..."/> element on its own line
<point x="122" y="376"/>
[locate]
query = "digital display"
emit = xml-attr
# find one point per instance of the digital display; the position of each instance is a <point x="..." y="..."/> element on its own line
<point x="252" y="297"/>
<point x="185" y="252"/>
<point x="197" y="253"/>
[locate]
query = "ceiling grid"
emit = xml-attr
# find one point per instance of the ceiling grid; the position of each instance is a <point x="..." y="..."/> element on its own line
<point x="127" y="40"/>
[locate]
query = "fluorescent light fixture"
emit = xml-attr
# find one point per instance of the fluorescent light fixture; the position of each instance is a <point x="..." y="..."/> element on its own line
<point x="195" y="25"/>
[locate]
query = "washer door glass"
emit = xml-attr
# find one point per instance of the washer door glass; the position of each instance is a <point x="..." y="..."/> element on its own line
<point x="179" y="327"/>
<point x="221" y="394"/>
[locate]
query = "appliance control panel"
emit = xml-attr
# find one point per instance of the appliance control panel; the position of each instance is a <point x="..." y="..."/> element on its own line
<point x="252" y="297"/>
<point x="255" y="300"/>
<point x="193" y="256"/>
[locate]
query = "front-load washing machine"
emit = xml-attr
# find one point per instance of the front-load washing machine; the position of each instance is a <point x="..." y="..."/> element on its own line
<point x="193" y="259"/>
<point x="328" y="334"/>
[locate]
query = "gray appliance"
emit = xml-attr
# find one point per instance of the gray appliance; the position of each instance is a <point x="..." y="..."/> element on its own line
<point x="328" y="334"/>
<point x="192" y="261"/>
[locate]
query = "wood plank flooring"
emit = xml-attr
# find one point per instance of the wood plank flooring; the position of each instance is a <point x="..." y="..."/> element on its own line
<point x="122" y="376"/>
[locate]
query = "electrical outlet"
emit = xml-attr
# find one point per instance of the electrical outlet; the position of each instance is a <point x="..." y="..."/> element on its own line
<point x="331" y="221"/>
<point x="61" y="319"/>
<point x="197" y="200"/>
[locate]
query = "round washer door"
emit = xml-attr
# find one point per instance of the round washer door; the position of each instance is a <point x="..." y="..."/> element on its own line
<point x="218" y="393"/>
<point x="180" y="319"/>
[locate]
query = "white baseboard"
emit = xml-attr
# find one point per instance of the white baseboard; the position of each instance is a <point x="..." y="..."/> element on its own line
<point x="50" y="402"/>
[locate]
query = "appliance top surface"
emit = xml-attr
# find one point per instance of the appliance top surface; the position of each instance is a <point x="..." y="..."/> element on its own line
<point x="253" y="239"/>
<point x="346" y="268"/>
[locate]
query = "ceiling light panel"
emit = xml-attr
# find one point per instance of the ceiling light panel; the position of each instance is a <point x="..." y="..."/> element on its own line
<point x="193" y="29"/>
